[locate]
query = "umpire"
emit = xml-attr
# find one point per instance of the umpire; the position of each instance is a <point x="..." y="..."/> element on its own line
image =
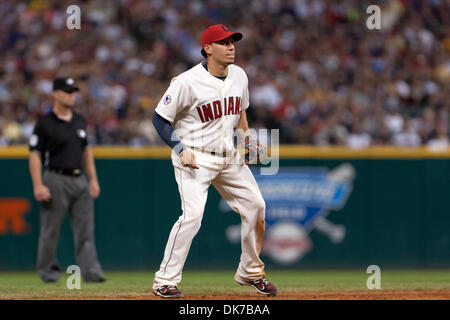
<point x="59" y="141"/>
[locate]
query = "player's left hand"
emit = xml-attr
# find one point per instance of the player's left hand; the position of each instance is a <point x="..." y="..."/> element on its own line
<point x="94" y="189"/>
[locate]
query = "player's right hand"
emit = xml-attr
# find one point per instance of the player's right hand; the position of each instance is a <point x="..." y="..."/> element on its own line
<point x="188" y="159"/>
<point x="41" y="193"/>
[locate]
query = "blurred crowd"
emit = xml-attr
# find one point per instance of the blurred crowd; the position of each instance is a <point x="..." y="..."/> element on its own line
<point x="316" y="72"/>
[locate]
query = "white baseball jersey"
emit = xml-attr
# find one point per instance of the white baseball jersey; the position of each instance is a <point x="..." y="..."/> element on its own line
<point x="204" y="109"/>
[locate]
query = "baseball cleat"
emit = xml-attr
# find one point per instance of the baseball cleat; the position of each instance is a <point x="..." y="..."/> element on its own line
<point x="168" y="292"/>
<point x="262" y="286"/>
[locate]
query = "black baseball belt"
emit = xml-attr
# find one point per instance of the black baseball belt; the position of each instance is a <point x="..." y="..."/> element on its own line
<point x="214" y="153"/>
<point x="67" y="172"/>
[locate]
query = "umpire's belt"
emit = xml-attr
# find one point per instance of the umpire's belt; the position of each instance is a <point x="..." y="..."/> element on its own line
<point x="67" y="172"/>
<point x="219" y="154"/>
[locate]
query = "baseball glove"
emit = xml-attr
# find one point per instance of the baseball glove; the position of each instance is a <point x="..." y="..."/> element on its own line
<point x="254" y="151"/>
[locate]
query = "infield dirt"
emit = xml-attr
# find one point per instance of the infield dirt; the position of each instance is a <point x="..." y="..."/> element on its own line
<point x="322" y="295"/>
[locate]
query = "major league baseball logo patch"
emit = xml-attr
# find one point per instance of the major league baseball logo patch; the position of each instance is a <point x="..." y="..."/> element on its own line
<point x="167" y="99"/>
<point x="298" y="200"/>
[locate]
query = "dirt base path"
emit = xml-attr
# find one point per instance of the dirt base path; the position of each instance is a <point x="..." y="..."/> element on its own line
<point x="309" y="295"/>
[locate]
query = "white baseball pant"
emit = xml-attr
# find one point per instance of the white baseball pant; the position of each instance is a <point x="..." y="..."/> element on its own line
<point x="237" y="186"/>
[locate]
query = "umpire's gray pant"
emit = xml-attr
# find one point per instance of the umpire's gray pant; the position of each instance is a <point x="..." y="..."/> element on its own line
<point x="70" y="194"/>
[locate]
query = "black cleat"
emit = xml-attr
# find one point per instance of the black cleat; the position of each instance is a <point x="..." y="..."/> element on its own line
<point x="94" y="277"/>
<point x="98" y="280"/>
<point x="50" y="279"/>
<point x="262" y="286"/>
<point x="168" y="292"/>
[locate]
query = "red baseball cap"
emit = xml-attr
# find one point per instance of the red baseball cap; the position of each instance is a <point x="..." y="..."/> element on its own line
<point x="216" y="33"/>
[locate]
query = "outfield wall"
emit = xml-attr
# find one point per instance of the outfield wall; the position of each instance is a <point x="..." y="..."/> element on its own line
<point x="396" y="213"/>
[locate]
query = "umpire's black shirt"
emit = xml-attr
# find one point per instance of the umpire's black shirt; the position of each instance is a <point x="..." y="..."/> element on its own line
<point x="60" y="143"/>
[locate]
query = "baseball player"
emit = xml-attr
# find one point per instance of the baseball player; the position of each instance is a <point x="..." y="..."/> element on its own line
<point x="205" y="105"/>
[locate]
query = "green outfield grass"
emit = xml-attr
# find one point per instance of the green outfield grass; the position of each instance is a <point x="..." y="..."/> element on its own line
<point x="16" y="285"/>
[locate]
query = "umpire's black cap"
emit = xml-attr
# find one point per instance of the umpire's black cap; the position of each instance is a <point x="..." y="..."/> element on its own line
<point x="64" y="84"/>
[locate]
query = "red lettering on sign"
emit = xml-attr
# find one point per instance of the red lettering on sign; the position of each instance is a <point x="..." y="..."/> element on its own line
<point x="12" y="215"/>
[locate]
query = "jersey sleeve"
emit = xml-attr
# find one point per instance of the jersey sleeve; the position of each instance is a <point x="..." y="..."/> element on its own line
<point x="246" y="96"/>
<point x="175" y="99"/>
<point x="38" y="139"/>
<point x="245" y="100"/>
